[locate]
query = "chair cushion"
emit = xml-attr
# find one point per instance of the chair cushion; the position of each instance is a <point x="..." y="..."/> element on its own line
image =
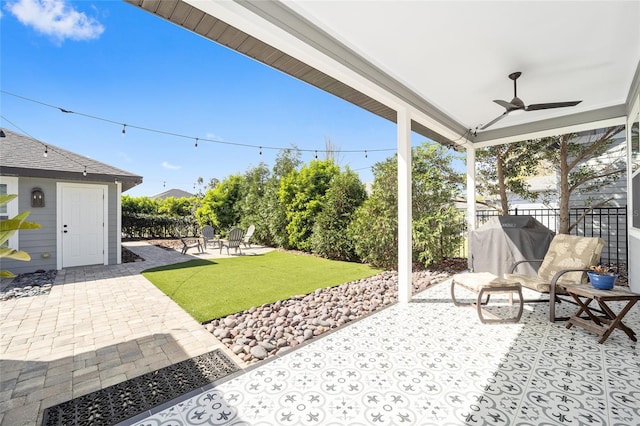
<point x="475" y="281"/>
<point x="529" y="281"/>
<point x="570" y="252"/>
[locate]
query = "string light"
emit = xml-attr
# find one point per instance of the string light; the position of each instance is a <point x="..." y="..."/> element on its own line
<point x="84" y="173"/>
<point x="66" y="111"/>
<point x="164" y="184"/>
<point x="46" y="151"/>
<point x="316" y="155"/>
<point x="260" y="150"/>
<point x="196" y="142"/>
<point x="365" y="154"/>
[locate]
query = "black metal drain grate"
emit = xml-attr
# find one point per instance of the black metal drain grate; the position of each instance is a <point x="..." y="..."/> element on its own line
<point x="124" y="400"/>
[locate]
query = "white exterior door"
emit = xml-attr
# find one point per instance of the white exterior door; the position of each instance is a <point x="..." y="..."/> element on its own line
<point x="82" y="224"/>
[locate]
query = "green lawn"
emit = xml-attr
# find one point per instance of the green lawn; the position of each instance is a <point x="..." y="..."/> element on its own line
<point x="209" y="289"/>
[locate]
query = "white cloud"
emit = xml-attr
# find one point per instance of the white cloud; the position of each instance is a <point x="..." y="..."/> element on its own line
<point x="168" y="166"/>
<point x="213" y="137"/>
<point x="56" y="18"/>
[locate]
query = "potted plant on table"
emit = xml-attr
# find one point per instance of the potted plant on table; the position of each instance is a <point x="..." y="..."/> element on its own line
<point x="602" y="277"/>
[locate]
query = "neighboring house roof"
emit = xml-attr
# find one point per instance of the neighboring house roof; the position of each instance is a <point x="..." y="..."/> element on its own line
<point x="24" y="156"/>
<point x="175" y="193"/>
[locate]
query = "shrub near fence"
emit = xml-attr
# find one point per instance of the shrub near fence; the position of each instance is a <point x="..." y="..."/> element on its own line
<point x="608" y="223"/>
<point x="158" y="226"/>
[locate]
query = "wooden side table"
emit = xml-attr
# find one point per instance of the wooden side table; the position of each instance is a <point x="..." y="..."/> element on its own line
<point x="603" y="326"/>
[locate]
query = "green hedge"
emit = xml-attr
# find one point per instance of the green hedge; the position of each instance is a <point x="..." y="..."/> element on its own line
<point x="158" y="226"/>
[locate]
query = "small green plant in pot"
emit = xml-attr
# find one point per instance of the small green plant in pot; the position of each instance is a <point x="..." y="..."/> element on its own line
<point x="602" y="277"/>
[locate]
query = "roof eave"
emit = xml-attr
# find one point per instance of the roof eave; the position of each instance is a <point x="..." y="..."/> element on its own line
<point x="128" y="181"/>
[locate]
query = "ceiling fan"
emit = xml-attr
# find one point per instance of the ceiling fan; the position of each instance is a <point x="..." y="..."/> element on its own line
<point x="516" y="103"/>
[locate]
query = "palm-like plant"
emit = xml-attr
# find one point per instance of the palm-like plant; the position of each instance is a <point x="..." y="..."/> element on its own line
<point x="7" y="228"/>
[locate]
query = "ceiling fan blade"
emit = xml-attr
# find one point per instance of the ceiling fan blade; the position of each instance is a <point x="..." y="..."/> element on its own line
<point x="492" y="122"/>
<point x="506" y="105"/>
<point x="536" y="107"/>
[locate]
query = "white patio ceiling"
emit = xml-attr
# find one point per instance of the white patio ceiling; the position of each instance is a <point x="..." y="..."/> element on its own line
<point x="449" y="60"/>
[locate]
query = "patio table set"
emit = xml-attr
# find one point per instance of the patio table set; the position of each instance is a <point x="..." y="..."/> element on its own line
<point x="236" y="238"/>
<point x="556" y="278"/>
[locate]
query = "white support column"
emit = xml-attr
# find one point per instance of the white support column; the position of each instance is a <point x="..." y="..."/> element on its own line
<point x="471" y="194"/>
<point x="404" y="206"/>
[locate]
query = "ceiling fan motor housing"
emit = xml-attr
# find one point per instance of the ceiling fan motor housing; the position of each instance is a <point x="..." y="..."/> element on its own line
<point x="517" y="102"/>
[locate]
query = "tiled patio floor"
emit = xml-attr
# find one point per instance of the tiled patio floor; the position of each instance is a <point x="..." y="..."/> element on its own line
<point x="430" y="363"/>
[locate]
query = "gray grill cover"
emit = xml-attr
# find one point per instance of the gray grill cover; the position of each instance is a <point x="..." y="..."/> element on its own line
<point x="503" y="240"/>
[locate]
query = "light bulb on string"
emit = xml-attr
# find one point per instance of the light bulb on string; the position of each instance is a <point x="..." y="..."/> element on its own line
<point x="164" y="184"/>
<point x="84" y="173"/>
<point x="196" y="143"/>
<point x="316" y="155"/>
<point x="260" y="150"/>
<point x="365" y="154"/>
<point x="124" y="129"/>
<point x="46" y="151"/>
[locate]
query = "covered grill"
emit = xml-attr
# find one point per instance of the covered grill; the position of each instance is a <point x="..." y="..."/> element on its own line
<point x="503" y="240"/>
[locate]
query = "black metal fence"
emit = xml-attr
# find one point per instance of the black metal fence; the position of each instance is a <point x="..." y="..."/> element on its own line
<point x="608" y="223"/>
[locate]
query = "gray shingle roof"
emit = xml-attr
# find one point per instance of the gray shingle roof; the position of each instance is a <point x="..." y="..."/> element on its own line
<point x="24" y="156"/>
<point x="175" y="193"/>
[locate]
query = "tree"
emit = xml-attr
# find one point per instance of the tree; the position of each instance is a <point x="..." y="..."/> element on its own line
<point x="302" y="193"/>
<point x="287" y="161"/>
<point x="504" y="168"/>
<point x="139" y="205"/>
<point x="582" y="168"/>
<point x="436" y="222"/>
<point x="220" y="205"/>
<point x="8" y="227"/>
<point x="251" y="205"/>
<point x="172" y="206"/>
<point x="329" y="239"/>
<point x="332" y="151"/>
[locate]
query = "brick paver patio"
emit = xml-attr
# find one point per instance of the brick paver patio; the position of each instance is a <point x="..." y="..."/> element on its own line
<point x="99" y="326"/>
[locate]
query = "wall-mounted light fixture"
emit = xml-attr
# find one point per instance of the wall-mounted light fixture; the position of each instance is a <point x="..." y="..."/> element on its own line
<point x="37" y="197"/>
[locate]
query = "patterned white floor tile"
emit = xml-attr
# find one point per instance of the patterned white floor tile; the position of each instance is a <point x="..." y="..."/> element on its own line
<point x="431" y="363"/>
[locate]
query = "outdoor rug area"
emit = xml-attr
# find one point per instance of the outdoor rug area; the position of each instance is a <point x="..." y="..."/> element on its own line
<point x="124" y="400"/>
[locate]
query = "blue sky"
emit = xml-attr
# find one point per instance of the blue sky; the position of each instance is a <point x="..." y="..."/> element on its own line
<point x="111" y="60"/>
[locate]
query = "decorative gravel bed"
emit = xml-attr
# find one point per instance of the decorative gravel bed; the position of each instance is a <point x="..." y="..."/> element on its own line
<point x="27" y="285"/>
